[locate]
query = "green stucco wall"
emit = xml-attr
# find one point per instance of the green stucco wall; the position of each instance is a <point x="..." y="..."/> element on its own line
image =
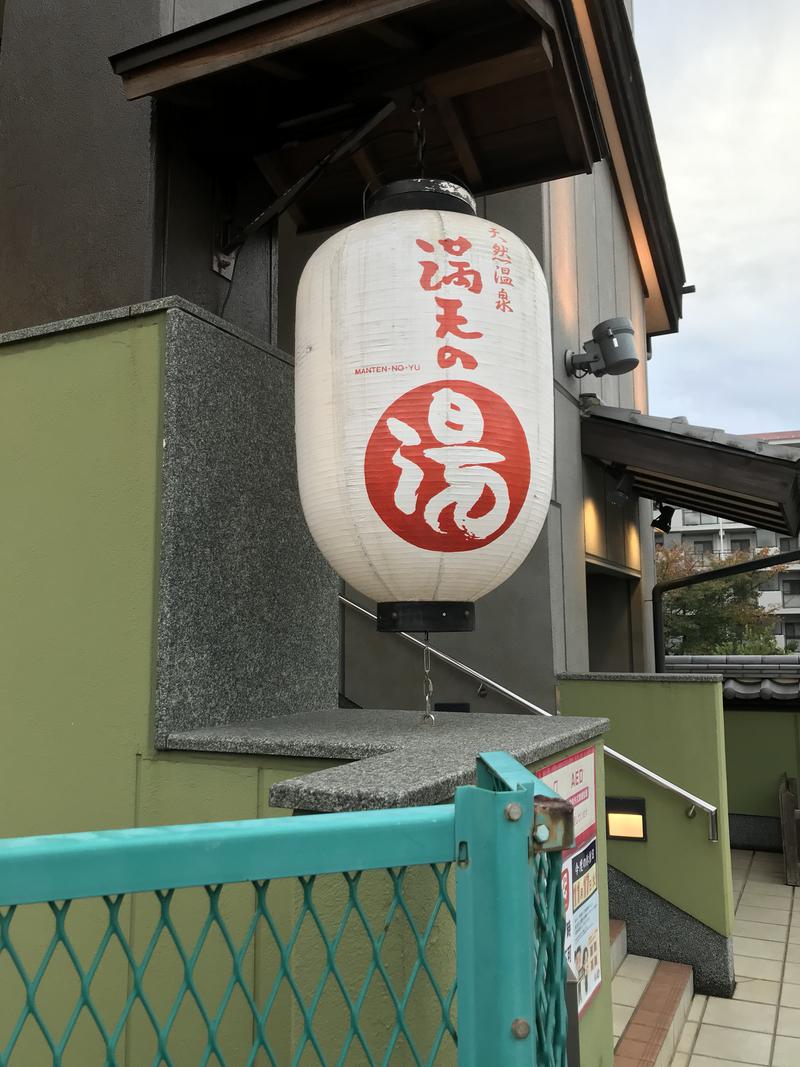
<point x="760" y="747"/>
<point x="676" y="730"/>
<point x="79" y="440"/>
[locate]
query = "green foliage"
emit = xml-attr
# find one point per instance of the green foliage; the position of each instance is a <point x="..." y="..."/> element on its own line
<point x="717" y="618"/>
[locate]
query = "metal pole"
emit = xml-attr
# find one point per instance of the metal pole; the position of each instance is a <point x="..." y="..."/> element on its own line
<point x="658" y="628"/>
<point x="494" y="927"/>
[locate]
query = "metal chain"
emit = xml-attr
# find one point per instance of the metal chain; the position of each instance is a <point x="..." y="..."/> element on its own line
<point x="428" y="718"/>
<point x="418" y="109"/>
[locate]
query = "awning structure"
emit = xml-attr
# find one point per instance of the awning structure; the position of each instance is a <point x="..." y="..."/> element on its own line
<point x="698" y="467"/>
<point x="507" y="92"/>
<point x="515" y="92"/>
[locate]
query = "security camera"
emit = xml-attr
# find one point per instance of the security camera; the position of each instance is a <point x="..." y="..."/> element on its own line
<point x="612" y="350"/>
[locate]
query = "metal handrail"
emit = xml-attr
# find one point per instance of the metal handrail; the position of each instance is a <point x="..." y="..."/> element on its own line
<point x="695" y="802"/>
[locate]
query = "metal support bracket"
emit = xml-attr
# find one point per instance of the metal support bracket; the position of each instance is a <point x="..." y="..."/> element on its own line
<point x="349" y="144"/>
<point x="224" y="263"/>
<point x="553" y="826"/>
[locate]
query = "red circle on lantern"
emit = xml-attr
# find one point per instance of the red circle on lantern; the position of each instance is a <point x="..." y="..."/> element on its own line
<point x="447" y="467"/>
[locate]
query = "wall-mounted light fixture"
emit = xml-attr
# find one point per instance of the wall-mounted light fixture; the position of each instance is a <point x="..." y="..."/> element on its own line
<point x="623" y="491"/>
<point x="626" y="819"/>
<point x="663" y="521"/>
<point x="612" y="350"/>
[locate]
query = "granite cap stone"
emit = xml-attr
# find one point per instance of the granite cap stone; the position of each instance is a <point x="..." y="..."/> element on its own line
<point x="390" y="758"/>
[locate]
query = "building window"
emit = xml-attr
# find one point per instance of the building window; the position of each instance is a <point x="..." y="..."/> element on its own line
<point x="785" y="544"/>
<point x="792" y="629"/>
<point x="705" y="548"/>
<point x="698" y="518"/>
<point x="740" y="544"/>
<point x="791" y="594"/>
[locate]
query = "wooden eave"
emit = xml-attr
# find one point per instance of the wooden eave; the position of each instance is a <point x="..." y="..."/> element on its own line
<point x="517" y="92"/>
<point x="685" y="467"/>
<point x="508" y="96"/>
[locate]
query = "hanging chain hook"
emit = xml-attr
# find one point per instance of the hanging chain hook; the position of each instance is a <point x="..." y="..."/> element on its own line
<point x="428" y="718"/>
<point x="418" y="110"/>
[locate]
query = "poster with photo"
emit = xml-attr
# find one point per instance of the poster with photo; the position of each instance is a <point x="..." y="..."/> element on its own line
<point x="574" y="779"/>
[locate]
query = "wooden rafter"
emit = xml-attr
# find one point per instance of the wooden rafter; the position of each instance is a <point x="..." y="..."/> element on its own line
<point x="454" y="127"/>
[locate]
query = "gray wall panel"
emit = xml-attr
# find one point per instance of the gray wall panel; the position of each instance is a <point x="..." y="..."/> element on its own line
<point x="102" y="204"/>
<point x="76" y="185"/>
<point x="569" y="464"/>
<point x="183" y="13"/>
<point x="623" y="266"/>
<point x="557" y="614"/>
<point x="563" y="278"/>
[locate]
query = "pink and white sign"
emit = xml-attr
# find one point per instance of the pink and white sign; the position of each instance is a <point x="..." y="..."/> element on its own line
<point x="424" y="404"/>
<point x="573" y="778"/>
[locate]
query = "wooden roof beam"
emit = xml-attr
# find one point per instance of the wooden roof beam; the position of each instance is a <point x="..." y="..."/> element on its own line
<point x="454" y="127"/>
<point x="402" y="40"/>
<point x="270" y="37"/>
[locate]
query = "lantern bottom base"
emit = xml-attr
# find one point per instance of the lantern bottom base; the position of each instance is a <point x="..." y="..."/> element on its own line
<point x="426" y="616"/>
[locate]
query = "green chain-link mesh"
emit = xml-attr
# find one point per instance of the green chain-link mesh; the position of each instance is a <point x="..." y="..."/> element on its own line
<point x="348" y="969"/>
<point x="340" y="969"/>
<point x="548" y="949"/>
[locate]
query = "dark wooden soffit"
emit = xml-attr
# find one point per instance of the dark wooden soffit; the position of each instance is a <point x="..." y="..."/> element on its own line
<point x="684" y="468"/>
<point x="508" y="94"/>
<point x="613" y="38"/>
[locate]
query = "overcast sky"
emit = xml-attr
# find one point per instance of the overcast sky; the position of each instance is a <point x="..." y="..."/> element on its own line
<point x="723" y="82"/>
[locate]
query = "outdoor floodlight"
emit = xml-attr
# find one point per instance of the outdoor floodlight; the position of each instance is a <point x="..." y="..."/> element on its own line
<point x="623" y="489"/>
<point x="663" y="521"/>
<point x="626" y="819"/>
<point x="611" y="351"/>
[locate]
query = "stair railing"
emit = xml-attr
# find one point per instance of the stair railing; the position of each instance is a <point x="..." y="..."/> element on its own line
<point x="694" y="802"/>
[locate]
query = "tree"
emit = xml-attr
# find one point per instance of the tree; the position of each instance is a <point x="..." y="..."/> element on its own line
<point x="717" y="618"/>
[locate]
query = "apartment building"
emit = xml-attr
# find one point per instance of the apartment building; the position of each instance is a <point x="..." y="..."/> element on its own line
<point x="714" y="537"/>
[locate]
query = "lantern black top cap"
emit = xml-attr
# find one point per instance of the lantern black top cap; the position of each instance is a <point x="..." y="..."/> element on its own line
<point x="414" y="194"/>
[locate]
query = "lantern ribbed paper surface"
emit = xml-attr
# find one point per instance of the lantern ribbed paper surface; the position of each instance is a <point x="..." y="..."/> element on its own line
<point x="424" y="404"/>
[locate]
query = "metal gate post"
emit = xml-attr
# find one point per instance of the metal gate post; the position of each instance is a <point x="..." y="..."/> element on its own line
<point x="496" y="835"/>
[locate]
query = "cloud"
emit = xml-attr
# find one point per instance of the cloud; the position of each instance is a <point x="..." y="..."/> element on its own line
<point x="724" y="91"/>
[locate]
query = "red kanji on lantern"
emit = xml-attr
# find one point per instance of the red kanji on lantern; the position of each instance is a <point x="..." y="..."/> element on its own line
<point x="462" y="275"/>
<point x="502" y="275"/>
<point x="503" y="301"/>
<point x="450" y="322"/>
<point x="448" y="356"/>
<point x="500" y="253"/>
<point x="447" y="466"/>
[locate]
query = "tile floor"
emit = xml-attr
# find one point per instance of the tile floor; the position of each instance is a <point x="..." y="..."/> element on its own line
<point x="760" y="1026"/>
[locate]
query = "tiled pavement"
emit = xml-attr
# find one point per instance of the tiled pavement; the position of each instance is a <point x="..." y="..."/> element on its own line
<point x="761" y="1024"/>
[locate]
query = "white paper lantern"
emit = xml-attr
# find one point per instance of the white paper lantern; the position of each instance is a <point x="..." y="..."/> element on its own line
<point x="424" y="404"/>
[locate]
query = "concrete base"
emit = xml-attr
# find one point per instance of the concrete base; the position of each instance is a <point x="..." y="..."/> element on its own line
<point x="658" y="929"/>
<point x="760" y="833"/>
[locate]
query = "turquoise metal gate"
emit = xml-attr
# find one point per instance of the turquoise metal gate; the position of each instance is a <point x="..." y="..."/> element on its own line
<point x="329" y="939"/>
